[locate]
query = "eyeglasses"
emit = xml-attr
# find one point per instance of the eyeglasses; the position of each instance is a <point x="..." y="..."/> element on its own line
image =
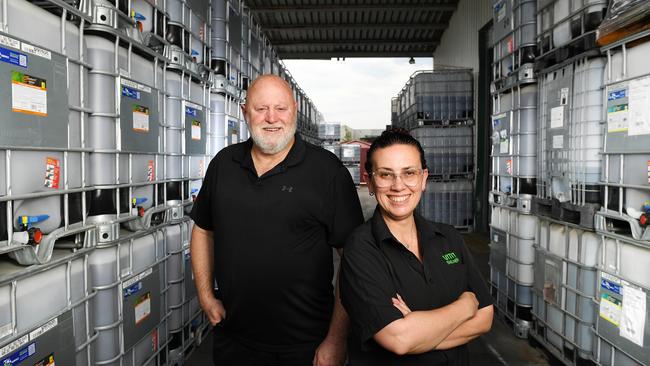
<point x="385" y="178"/>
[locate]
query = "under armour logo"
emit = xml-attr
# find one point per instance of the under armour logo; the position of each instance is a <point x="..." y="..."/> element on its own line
<point x="287" y="189"/>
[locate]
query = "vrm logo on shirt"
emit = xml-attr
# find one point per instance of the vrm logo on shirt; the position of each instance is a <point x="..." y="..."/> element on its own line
<point x="451" y="258"/>
<point x="287" y="189"/>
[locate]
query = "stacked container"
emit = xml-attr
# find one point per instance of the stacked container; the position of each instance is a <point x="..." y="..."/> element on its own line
<point x="513" y="171"/>
<point x="351" y="158"/>
<point x="623" y="322"/>
<point x="44" y="168"/>
<point x="438" y="107"/>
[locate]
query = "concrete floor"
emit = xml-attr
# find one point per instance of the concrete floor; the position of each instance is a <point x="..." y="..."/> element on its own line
<point x="498" y="347"/>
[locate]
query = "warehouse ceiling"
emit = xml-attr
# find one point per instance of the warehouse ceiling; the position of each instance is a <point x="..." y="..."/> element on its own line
<point x="322" y="29"/>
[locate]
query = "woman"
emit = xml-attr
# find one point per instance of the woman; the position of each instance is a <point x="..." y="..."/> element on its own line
<point x="411" y="290"/>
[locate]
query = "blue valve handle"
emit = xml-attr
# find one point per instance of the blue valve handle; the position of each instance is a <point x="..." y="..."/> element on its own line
<point x="138" y="16"/>
<point x="27" y="221"/>
<point x="138" y="201"/>
<point x="194" y="190"/>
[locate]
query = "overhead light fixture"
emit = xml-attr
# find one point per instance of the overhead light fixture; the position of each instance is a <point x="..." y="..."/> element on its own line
<point x="411" y="61"/>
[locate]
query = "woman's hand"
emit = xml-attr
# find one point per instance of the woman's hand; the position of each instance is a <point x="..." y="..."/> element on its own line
<point x="399" y="303"/>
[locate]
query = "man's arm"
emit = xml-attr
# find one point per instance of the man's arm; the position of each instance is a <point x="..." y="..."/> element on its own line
<point x="479" y="324"/>
<point x="333" y="349"/>
<point x="201" y="249"/>
<point x="422" y="331"/>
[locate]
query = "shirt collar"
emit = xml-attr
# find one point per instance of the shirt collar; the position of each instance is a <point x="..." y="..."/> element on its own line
<point x="426" y="230"/>
<point x="296" y="154"/>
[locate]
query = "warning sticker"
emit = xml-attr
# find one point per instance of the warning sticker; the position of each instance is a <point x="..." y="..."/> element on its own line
<point x="617" y="118"/>
<point x="47" y="361"/>
<point x="19" y="356"/>
<point x="13" y="346"/>
<point x="142" y="308"/>
<point x="564" y="96"/>
<point x="154" y="340"/>
<point x="13" y="57"/>
<point x="201" y="167"/>
<point x="648" y="171"/>
<point x="610" y="309"/>
<point x="639" y="107"/>
<point x="196" y="130"/>
<point x="52" y="173"/>
<point x="140" y="118"/>
<point x="510" y="45"/>
<point x="28" y="94"/>
<point x="150" y="171"/>
<point x="504" y="145"/>
<point x="509" y="166"/>
<point x="558" y="142"/>
<point x="557" y="117"/>
<point x="499" y="10"/>
<point x="633" y="314"/>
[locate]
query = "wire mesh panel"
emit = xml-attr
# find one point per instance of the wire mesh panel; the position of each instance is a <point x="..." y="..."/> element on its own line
<point x="449" y="202"/>
<point x="565" y="291"/>
<point x="448" y="150"/>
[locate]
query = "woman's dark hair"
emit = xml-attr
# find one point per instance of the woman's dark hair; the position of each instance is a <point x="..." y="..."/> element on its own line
<point x="394" y="136"/>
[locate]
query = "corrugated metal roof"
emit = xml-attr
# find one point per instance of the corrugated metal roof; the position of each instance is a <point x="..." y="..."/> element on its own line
<point x="309" y="29"/>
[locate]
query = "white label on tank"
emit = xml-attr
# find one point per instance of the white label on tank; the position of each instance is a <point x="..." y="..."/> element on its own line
<point x="617" y="118"/>
<point x="196" y="130"/>
<point x="36" y="51"/>
<point x="503" y="146"/>
<point x="134" y="85"/>
<point x="558" y="142"/>
<point x="28" y="94"/>
<point x="14" y="345"/>
<point x="557" y="117"/>
<point x="137" y="278"/>
<point x="633" y="314"/>
<point x="192" y="105"/>
<point x="639" y="107"/>
<point x="142" y="308"/>
<point x="564" y="96"/>
<point x="8" y="41"/>
<point x="43" y="329"/>
<point x="140" y="118"/>
<point x="6" y="330"/>
<point x="234" y="139"/>
<point x="330" y="130"/>
<point x="348" y="152"/>
<point x="610" y="309"/>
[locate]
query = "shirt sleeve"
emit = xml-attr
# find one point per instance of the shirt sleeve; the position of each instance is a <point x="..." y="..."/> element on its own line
<point x="366" y="289"/>
<point x="475" y="282"/>
<point x="345" y="208"/>
<point x="202" y="207"/>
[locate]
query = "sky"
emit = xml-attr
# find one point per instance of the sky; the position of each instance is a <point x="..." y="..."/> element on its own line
<point x="357" y="91"/>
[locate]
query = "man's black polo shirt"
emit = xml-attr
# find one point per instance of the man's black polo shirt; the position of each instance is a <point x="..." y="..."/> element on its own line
<point x="273" y="239"/>
<point x="376" y="266"/>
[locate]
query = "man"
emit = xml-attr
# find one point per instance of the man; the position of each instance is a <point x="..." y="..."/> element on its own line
<point x="267" y="215"/>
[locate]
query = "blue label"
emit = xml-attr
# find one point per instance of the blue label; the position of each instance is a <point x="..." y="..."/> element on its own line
<point x="189" y="111"/>
<point x="133" y="289"/>
<point x="231" y="124"/>
<point x="131" y="93"/>
<point x="19" y="356"/>
<point x="496" y="122"/>
<point x="617" y="94"/>
<point x="611" y="286"/>
<point x="13" y="57"/>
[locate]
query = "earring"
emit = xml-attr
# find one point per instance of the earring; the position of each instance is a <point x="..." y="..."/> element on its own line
<point x="372" y="194"/>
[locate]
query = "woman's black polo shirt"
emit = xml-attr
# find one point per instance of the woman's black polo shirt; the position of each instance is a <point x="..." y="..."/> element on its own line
<point x="273" y="239"/>
<point x="376" y="266"/>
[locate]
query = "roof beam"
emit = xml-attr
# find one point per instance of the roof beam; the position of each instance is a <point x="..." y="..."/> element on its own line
<point x="354" y="26"/>
<point x="346" y="8"/>
<point x="351" y="54"/>
<point x="356" y="42"/>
